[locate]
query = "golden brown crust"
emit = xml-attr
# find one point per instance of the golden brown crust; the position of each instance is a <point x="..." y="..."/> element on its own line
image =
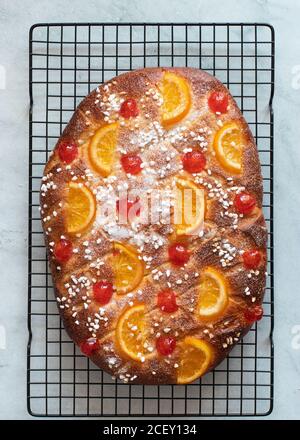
<point x="224" y="230"/>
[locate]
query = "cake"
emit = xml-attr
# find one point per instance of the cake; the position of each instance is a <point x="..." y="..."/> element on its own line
<point x="151" y="206"/>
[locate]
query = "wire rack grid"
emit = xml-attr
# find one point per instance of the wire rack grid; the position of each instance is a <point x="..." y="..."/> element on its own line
<point x="66" y="62"/>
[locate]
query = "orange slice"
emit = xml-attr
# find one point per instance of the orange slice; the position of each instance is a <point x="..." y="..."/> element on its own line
<point x="102" y="148"/>
<point x="128" y="269"/>
<point x="189" y="208"/>
<point x="176" y="99"/>
<point x="195" y="357"/>
<point x="213" y="294"/>
<point x="228" y="144"/>
<point x="80" y="208"/>
<point x="131" y="335"/>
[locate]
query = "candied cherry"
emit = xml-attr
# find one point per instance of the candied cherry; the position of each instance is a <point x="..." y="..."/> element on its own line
<point x="179" y="254"/>
<point x="89" y="346"/>
<point x="124" y="206"/>
<point x="67" y="151"/>
<point x="244" y="203"/>
<point x="165" y="345"/>
<point x="63" y="250"/>
<point x="251" y="258"/>
<point x="129" y="109"/>
<point x="254" y="314"/>
<point x="166" y="301"/>
<point x="131" y="163"/>
<point x="218" y="102"/>
<point x="194" y="161"/>
<point x="102" y="291"/>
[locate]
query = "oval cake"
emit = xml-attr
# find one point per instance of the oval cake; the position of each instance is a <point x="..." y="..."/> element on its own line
<point x="151" y="205"/>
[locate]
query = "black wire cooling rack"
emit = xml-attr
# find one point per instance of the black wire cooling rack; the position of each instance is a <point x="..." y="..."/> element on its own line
<point x="66" y="62"/>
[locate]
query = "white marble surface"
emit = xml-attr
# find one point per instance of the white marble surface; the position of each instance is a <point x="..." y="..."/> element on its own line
<point x="16" y="17"/>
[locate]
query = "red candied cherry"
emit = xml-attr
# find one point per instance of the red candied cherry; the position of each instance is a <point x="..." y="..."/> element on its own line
<point x="102" y="291"/>
<point x="89" y="346"/>
<point x="178" y="254"/>
<point x="63" y="250"/>
<point x="67" y="151"/>
<point x="218" y="102"/>
<point x="125" y="205"/>
<point x="165" y="345"/>
<point x="254" y="314"/>
<point x="244" y="203"/>
<point x="166" y="301"/>
<point x="131" y="163"/>
<point x="194" y="161"/>
<point x="252" y="258"/>
<point x="129" y="109"/>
